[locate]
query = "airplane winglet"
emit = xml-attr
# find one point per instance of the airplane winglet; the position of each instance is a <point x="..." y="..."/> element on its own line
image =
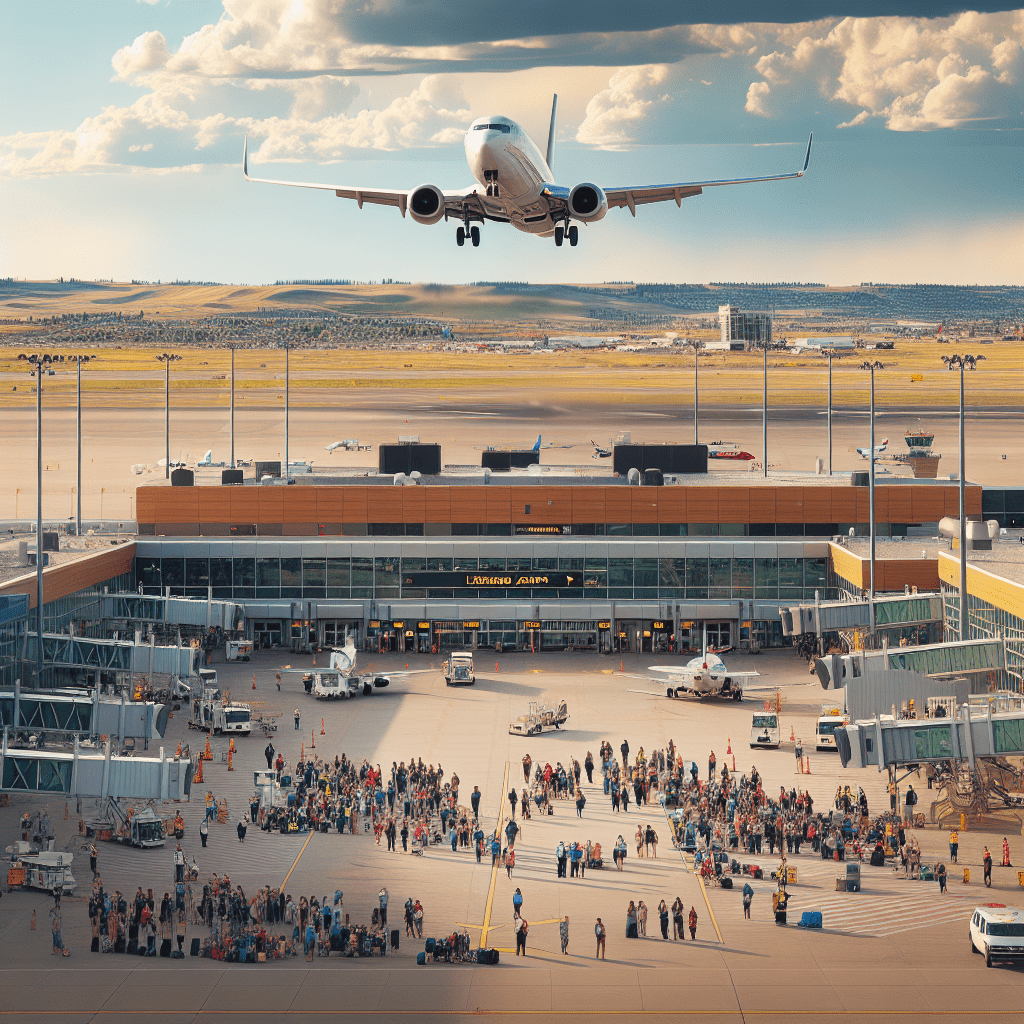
<point x="245" y="158"/>
<point x="807" y="158"/>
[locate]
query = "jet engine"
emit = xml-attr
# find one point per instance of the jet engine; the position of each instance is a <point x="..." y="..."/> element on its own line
<point x="426" y="204"/>
<point x="587" y="202"/>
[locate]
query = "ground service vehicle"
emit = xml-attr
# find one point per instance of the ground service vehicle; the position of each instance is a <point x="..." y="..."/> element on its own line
<point x="47" y="870"/>
<point x="458" y="669"/>
<point x="997" y="932"/>
<point x="211" y="714"/>
<point x="237" y="650"/>
<point x="764" y="730"/>
<point x="824" y="731"/>
<point x="539" y="718"/>
<point x="143" y="828"/>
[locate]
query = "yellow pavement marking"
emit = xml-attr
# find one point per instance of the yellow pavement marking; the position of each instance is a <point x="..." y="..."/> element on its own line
<point x="296" y="861"/>
<point x="494" y="868"/>
<point x="477" y="927"/>
<point x="704" y="893"/>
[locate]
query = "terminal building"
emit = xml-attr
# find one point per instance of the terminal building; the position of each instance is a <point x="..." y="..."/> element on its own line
<point x="749" y="329"/>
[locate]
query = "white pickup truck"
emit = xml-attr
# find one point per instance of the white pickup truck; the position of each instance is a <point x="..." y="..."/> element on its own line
<point x="458" y="669"/>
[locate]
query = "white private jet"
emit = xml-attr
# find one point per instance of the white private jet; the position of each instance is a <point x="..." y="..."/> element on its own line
<point x="879" y="448"/>
<point x="704" y="676"/>
<point x="350" y="444"/>
<point x="516" y="185"/>
<point x="339" y="678"/>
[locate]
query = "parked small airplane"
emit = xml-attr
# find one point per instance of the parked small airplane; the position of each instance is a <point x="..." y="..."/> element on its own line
<point x="879" y="448"/>
<point x="599" y="452"/>
<point x="339" y="678"/>
<point x="704" y="676"/>
<point x="350" y="444"/>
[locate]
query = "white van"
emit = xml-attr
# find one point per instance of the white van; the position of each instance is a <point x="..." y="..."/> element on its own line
<point x="764" y="730"/>
<point x="826" y="726"/>
<point x="997" y="932"/>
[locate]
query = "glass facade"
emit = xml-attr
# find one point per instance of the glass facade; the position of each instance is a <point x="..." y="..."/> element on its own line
<point x="380" y="577"/>
<point x="986" y="621"/>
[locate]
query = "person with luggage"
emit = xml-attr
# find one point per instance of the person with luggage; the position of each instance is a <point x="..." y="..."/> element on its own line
<point x="601" y="933"/>
<point x="510" y="861"/>
<point x="561" y="856"/>
<point x="517" y="902"/>
<point x="521" y="928"/>
<point x="748" y="896"/>
<point x="940" y="877"/>
<point x="692" y="923"/>
<point x="677" y="920"/>
<point x="631" y="932"/>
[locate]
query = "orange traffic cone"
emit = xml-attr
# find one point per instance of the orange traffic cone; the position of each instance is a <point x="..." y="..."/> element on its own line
<point x="808" y="761"/>
<point x="231" y="745"/>
<point x="198" y="777"/>
<point x="314" y="659"/>
<point x="254" y="680"/>
<point x="792" y="735"/>
<point x="323" y="731"/>
<point x="734" y="762"/>
<point x="495" y="666"/>
<point x="729" y="747"/>
<point x="407" y="664"/>
<point x="622" y="668"/>
<point x="230" y="756"/>
<point x="312" y="733"/>
<point x="179" y="749"/>
<point x="208" y="754"/>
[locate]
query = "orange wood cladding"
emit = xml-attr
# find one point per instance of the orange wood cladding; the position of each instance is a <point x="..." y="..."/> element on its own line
<point x="71" y="577"/>
<point x="902" y="503"/>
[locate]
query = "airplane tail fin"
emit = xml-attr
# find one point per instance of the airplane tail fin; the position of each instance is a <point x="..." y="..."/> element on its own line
<point x="551" y="132"/>
<point x="704" y="648"/>
<point x="536" y="447"/>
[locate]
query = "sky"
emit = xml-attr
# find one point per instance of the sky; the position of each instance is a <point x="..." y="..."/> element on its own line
<point x="122" y="125"/>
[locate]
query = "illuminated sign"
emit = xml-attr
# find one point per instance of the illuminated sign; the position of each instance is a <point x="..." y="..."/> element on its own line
<point x="374" y="623"/>
<point x="398" y="625"/>
<point x="647" y="633"/>
<point x="531" y="625"/>
<point x="659" y="625"/>
<point x="423" y="625"/>
<point x="475" y="580"/>
<point x="523" y="530"/>
<point x="604" y="625"/>
<point x="470" y="625"/>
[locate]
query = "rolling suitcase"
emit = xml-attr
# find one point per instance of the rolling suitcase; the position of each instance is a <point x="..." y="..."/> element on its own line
<point x="481" y="956"/>
<point x="492" y="956"/>
<point x="430" y="945"/>
<point x="421" y="959"/>
<point x="725" y="882"/>
<point x="165" y="948"/>
<point x="194" y="948"/>
<point x="394" y="938"/>
<point x="95" y="947"/>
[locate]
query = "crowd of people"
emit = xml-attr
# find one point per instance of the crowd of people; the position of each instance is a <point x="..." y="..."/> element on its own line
<point x="235" y="927"/>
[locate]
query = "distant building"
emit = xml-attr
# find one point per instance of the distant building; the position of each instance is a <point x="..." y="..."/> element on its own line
<point x="835" y="342"/>
<point x="753" y="329"/>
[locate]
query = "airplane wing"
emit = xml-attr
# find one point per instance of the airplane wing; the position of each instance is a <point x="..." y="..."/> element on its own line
<point x="633" y="196"/>
<point x="455" y="202"/>
<point x="671" y="671"/>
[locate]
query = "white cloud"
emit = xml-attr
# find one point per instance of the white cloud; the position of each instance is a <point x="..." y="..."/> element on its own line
<point x="757" y="94"/>
<point x="631" y="96"/>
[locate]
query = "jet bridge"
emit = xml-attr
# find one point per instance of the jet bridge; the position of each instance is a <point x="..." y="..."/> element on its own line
<point x="183" y="611"/>
<point x="65" y="651"/>
<point x="833" y="616"/>
<point x="994" y="729"/>
<point x="92" y="773"/>
<point x="84" y="714"/>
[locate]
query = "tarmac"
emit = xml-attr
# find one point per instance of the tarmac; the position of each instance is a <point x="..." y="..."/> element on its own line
<point x="897" y="949"/>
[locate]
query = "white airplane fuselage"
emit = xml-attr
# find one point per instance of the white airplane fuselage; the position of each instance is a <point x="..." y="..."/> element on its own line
<point x="498" y="150"/>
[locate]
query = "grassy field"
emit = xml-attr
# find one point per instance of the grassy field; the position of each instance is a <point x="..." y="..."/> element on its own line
<point x="200" y="379"/>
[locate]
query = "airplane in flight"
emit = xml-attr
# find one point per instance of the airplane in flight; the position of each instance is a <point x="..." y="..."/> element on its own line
<point x="515" y="184"/>
<point x="879" y="448"/>
<point x="339" y="679"/>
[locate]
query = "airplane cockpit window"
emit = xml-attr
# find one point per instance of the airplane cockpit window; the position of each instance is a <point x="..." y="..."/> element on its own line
<point x="503" y="128"/>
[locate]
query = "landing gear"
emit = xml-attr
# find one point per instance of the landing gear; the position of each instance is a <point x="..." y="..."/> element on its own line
<point x="460" y="236"/>
<point x="474" y="234"/>
<point x="570" y="233"/>
<point x="491" y="178"/>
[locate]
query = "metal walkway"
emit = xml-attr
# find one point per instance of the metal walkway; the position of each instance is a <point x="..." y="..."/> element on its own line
<point x="975" y="732"/>
<point x="86" y="714"/>
<point x="60" y="649"/>
<point x="183" y="611"/>
<point x="832" y="616"/>
<point x="84" y="772"/>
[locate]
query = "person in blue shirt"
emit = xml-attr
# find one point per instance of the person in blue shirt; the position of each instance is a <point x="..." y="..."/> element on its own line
<point x="748" y="895"/>
<point x="517" y="901"/>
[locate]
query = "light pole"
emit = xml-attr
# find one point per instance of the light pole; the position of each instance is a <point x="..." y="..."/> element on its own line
<point x="952" y="363"/>
<point x="696" y="398"/>
<point x="871" y="495"/>
<point x="287" y="375"/>
<point x="78" y="517"/>
<point x="830" y="412"/>
<point x="232" y="347"/>
<point x="166" y="358"/>
<point x="38" y="362"/>
<point x="764" y="411"/>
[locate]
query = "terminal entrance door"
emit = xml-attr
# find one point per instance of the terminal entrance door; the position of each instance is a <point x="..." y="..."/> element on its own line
<point x="267" y="633"/>
<point x="719" y="634"/>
